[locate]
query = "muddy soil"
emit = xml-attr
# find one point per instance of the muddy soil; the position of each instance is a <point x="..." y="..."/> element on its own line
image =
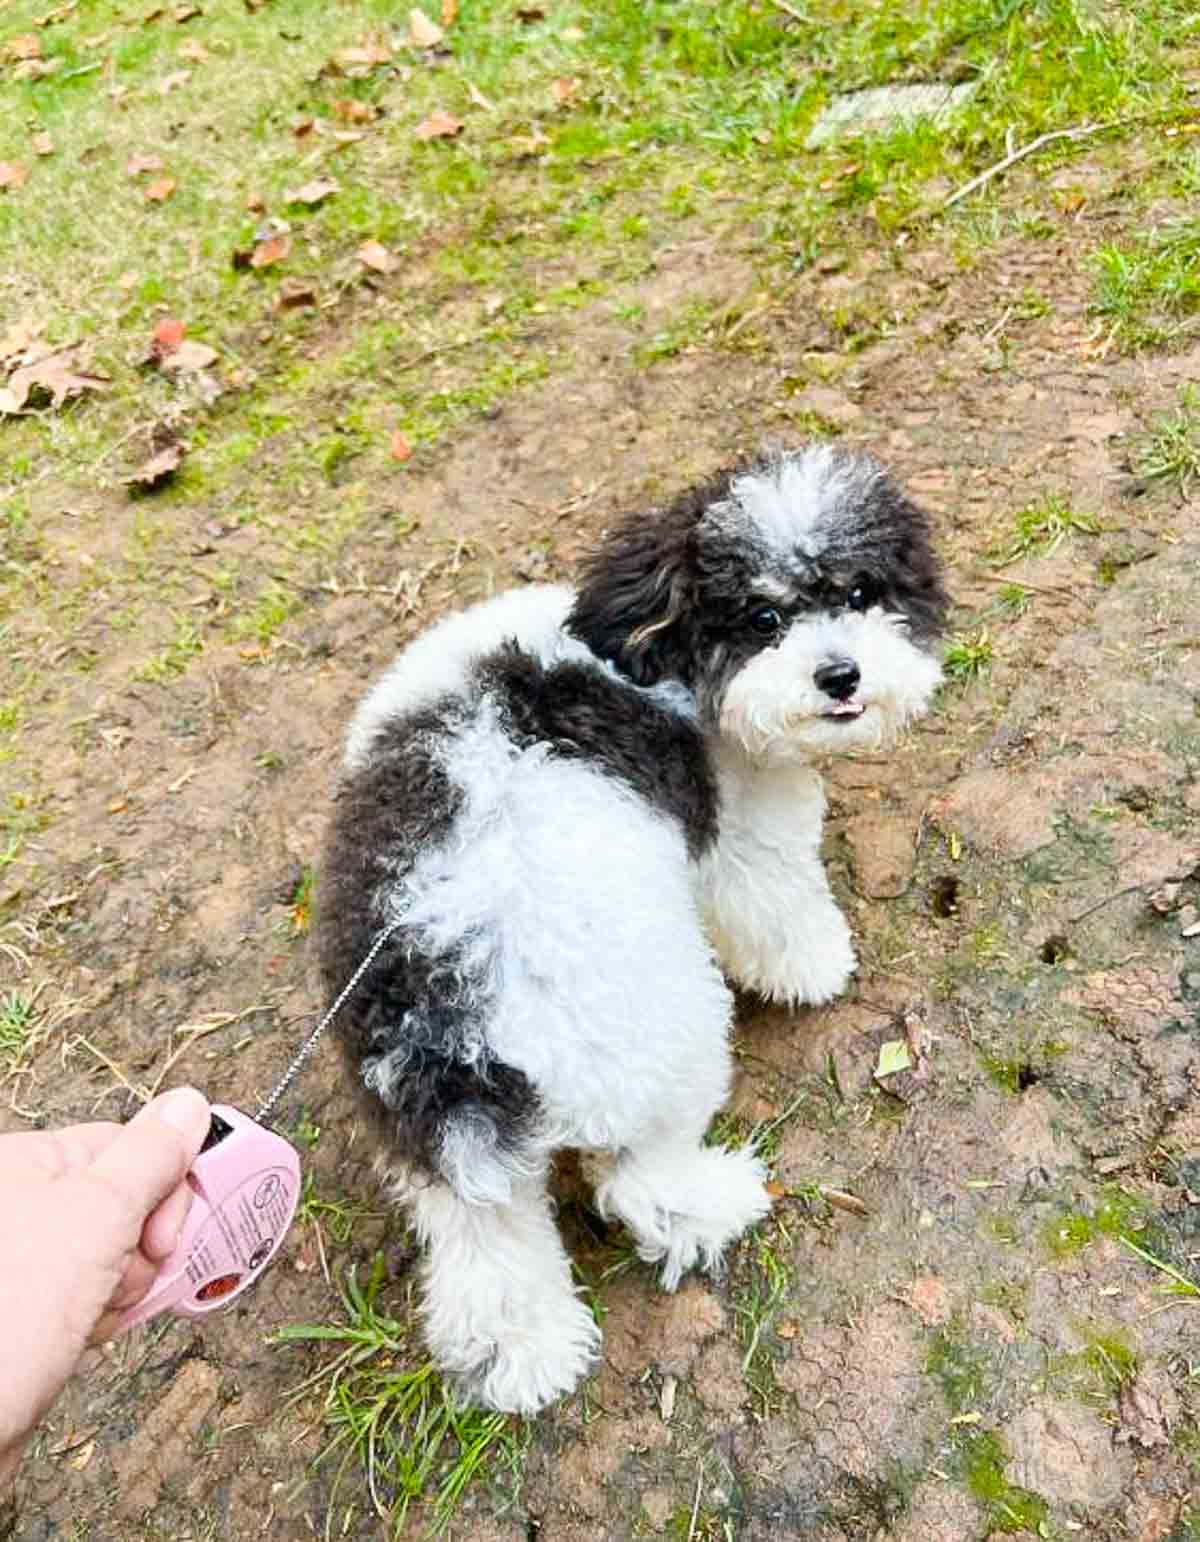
<point x="965" y="1347"/>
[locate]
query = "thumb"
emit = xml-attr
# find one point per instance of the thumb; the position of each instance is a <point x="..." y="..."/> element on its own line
<point x="151" y="1154"/>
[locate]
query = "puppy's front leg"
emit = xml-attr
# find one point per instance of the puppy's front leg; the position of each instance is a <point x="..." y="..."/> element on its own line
<point x="769" y="911"/>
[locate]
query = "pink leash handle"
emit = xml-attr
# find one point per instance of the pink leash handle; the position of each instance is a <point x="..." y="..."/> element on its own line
<point x="245" y="1188"/>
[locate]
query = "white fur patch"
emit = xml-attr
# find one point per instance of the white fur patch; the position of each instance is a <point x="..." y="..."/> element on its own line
<point x="786" y="504"/>
<point x="685" y="1203"/>
<point x="501" y="1313"/>
<point x="774" y="709"/>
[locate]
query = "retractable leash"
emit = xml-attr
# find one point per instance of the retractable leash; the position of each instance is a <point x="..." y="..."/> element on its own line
<point x="245" y="1186"/>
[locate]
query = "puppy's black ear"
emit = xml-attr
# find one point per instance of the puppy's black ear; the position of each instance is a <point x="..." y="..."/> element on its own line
<point x="635" y="597"/>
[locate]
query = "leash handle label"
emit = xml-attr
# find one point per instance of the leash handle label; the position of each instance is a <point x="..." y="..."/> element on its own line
<point x="245" y="1188"/>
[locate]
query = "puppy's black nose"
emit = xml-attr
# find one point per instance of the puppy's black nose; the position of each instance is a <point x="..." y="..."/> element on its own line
<point x="839" y="678"/>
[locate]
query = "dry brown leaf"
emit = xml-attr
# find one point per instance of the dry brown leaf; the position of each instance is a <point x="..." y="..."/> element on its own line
<point x="18" y="338"/>
<point x="439" y="125"/>
<point x="159" y="190"/>
<point x="28" y="46"/>
<point x="529" y="144"/>
<point x="529" y="14"/>
<point x="160" y="468"/>
<point x="294" y="293"/>
<point x="479" y="99"/>
<point x="355" y="63"/>
<point x="58" y="375"/>
<point x="59" y="13"/>
<point x="563" y="90"/>
<point x="423" y="33"/>
<point x="35" y="69"/>
<point x="256" y="203"/>
<point x="187" y="358"/>
<point x="312" y="192"/>
<point x="194" y="52"/>
<point x="12" y="174"/>
<point x="449" y="12"/>
<point x="303" y="127"/>
<point x="399" y="449"/>
<point x="137" y="164"/>
<point x="42" y="144"/>
<point x="346" y="109"/>
<point x="156" y="13"/>
<point x="173" y="81"/>
<point x="374" y="255"/>
<point x="272" y="250"/>
<point x="183" y="13"/>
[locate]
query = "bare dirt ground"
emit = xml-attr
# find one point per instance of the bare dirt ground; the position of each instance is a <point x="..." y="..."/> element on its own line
<point x="965" y="1348"/>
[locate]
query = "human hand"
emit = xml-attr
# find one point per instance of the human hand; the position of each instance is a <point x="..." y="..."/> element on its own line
<point x="88" y="1215"/>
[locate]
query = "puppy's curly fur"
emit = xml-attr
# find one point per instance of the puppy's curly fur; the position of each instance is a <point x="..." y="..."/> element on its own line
<point x="580" y="811"/>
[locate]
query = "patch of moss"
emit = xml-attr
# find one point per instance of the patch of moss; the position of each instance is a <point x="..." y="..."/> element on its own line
<point x="1010" y="1508"/>
<point x="1116" y="1214"/>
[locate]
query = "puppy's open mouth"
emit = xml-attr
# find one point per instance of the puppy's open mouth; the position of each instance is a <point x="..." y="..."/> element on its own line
<point x="845" y="711"/>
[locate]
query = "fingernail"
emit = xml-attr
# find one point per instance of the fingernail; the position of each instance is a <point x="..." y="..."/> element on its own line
<point x="182" y="1108"/>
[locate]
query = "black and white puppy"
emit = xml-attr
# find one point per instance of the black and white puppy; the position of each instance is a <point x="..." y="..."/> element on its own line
<point x="581" y="811"/>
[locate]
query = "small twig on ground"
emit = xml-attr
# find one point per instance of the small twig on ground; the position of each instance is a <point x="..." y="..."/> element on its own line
<point x="1082" y="131"/>
<point x="789" y="10"/>
<point x="695" y="1505"/>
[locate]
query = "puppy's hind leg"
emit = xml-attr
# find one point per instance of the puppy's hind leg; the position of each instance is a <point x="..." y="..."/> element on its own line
<point x="501" y="1314"/>
<point x="684" y="1202"/>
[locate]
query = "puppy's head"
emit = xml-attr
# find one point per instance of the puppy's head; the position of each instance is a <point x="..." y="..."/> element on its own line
<point x="798" y="598"/>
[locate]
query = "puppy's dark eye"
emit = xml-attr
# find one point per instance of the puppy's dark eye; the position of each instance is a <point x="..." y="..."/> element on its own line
<point x="863" y="592"/>
<point x="766" y="621"/>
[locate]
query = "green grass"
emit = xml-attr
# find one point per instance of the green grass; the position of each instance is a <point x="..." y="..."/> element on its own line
<point x="1040" y="529"/>
<point x="967" y="657"/>
<point x="397" y="1421"/>
<point x="1148" y="289"/>
<point x="1170" y="452"/>
<point x="17" y="1013"/>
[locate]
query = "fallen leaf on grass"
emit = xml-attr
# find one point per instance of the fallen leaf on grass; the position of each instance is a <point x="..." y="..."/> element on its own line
<point x="894" y="1055"/>
<point x="564" y="90"/>
<point x="138" y="163"/>
<point x="27" y="46"/>
<point x="42" y="144"/>
<point x="303" y="127"/>
<point x="439" y="125"/>
<point x="423" y="33"/>
<point x="59" y="375"/>
<point x="35" y="69"/>
<point x="193" y="52"/>
<point x="479" y="99"/>
<point x="374" y="255"/>
<point x="356" y="63"/>
<point x="59" y="13"/>
<point x="159" y="469"/>
<point x="187" y="358"/>
<point x="313" y="192"/>
<point x="270" y="250"/>
<point x="347" y="109"/>
<point x="12" y="174"/>
<point x="449" y="12"/>
<point x="18" y="338"/>
<point x="528" y="144"/>
<point x="159" y="190"/>
<point x="400" y="448"/>
<point x="294" y="293"/>
<point x="184" y="13"/>
<point x="529" y="14"/>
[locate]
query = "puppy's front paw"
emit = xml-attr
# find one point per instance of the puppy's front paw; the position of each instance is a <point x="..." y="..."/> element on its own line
<point x="541" y="1351"/>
